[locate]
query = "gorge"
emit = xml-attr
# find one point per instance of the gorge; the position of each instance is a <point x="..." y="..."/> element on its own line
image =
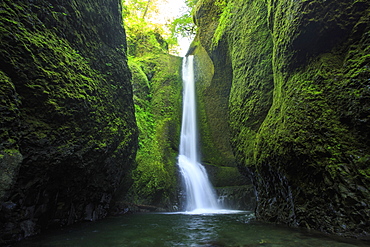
<point x="91" y="114"/>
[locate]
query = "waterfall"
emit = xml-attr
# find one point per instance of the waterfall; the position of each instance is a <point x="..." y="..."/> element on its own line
<point x="199" y="192"/>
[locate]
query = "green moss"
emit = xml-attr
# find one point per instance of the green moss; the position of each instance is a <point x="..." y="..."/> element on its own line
<point x="298" y="105"/>
<point x="157" y="94"/>
<point x="67" y="104"/>
<point x="213" y="87"/>
<point x="224" y="176"/>
<point x="301" y="117"/>
<point x="10" y="161"/>
<point x="251" y="93"/>
<point x="226" y="8"/>
<point x="65" y="79"/>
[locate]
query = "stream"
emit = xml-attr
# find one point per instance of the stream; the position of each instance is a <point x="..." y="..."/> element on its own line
<point x="237" y="228"/>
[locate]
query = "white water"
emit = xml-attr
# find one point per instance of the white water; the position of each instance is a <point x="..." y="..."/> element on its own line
<point x="200" y="195"/>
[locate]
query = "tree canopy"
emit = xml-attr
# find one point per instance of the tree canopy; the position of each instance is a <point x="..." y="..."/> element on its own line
<point x="144" y="23"/>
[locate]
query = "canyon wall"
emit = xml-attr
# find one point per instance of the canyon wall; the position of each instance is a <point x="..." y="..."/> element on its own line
<point x="157" y="96"/>
<point x="68" y="130"/>
<point x="295" y="75"/>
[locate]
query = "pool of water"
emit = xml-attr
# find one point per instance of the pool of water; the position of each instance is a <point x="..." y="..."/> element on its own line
<point x="237" y="228"/>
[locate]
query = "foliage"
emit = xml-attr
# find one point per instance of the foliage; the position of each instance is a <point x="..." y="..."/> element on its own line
<point x="137" y="9"/>
<point x="183" y="26"/>
<point x="144" y="35"/>
<point x="226" y="8"/>
<point x="157" y="89"/>
<point x="191" y="3"/>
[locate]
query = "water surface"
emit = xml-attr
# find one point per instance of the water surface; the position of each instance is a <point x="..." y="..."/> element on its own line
<point x="154" y="229"/>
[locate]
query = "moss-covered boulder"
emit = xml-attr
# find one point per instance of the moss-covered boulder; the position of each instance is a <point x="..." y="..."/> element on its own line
<point x="68" y="131"/>
<point x="298" y="105"/>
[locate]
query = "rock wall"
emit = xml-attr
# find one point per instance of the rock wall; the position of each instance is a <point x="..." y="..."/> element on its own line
<point x="298" y="105"/>
<point x="157" y="94"/>
<point x="157" y="88"/>
<point x="68" y="131"/>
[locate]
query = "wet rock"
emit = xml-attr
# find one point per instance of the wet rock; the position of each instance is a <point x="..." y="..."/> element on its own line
<point x="29" y="228"/>
<point x="237" y="197"/>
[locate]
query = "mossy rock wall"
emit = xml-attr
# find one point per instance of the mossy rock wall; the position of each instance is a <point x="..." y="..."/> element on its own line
<point x="298" y="106"/>
<point x="68" y="131"/>
<point x="157" y="87"/>
<point x="157" y="94"/>
<point x="212" y="89"/>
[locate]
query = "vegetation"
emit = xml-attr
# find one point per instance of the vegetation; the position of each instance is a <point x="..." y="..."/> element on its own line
<point x="285" y="82"/>
<point x="156" y="83"/>
<point x="226" y="8"/>
<point x="157" y="105"/>
<point x="183" y="26"/>
<point x="143" y="35"/>
<point x="143" y="29"/>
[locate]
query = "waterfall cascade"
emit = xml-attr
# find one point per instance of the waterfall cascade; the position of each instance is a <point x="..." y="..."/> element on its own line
<point x="200" y="194"/>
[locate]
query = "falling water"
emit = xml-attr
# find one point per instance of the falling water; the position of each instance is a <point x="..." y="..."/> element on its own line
<point x="200" y="195"/>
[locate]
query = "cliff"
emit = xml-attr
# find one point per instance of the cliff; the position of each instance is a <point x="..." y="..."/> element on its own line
<point x="295" y="75"/>
<point x="68" y="130"/>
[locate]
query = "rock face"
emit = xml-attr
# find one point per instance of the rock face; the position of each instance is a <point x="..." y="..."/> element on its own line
<point x="298" y="78"/>
<point x="68" y="131"/>
<point x="157" y="95"/>
<point x="157" y="89"/>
